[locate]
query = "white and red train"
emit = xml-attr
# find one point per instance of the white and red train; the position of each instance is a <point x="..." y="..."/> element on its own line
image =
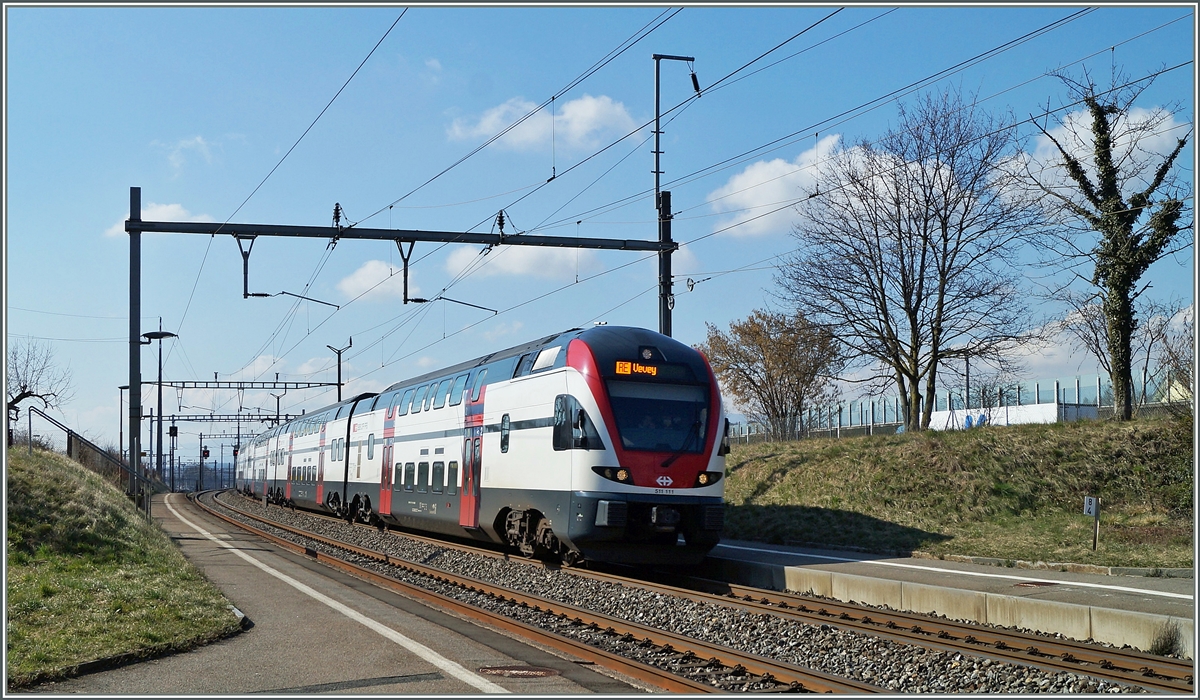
<point x="605" y="444"/>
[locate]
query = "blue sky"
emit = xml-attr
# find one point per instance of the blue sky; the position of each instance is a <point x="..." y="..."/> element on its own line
<point x="197" y="105"/>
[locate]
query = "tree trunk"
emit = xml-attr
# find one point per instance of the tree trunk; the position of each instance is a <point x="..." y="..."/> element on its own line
<point x="1118" y="309"/>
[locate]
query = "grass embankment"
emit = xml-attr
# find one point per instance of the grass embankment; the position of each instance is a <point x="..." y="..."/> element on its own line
<point x="1014" y="493"/>
<point x="89" y="578"/>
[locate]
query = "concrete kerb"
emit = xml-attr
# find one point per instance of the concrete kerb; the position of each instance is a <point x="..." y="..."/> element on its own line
<point x="1061" y="566"/>
<point x="1081" y="622"/>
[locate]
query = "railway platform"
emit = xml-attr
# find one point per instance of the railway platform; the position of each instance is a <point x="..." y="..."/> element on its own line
<point x="316" y="630"/>
<point x="1118" y="606"/>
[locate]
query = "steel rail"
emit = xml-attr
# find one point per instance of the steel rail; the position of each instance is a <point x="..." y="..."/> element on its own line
<point x="1122" y="665"/>
<point x="643" y="672"/>
<point x="686" y="649"/>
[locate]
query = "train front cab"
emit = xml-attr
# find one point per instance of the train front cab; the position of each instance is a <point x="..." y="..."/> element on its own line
<point x="654" y="493"/>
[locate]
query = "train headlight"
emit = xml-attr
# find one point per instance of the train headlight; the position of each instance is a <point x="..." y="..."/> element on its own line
<point x="702" y="479"/>
<point x="618" y="474"/>
<point x="707" y="478"/>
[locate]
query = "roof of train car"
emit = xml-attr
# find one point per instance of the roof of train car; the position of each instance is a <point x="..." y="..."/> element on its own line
<point x="605" y="334"/>
<point x="483" y="360"/>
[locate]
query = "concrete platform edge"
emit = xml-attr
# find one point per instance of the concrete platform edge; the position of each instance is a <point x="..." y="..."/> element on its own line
<point x="1082" y="622"/>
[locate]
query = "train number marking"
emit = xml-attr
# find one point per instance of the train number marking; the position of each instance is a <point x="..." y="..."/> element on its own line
<point x="664" y="491"/>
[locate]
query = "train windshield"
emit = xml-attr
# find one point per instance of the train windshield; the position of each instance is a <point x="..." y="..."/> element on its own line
<point x="660" y="417"/>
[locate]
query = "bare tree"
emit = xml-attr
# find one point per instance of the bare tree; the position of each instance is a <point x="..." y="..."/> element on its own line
<point x="905" y="249"/>
<point x="1121" y="206"/>
<point x="776" y="366"/>
<point x="31" y="373"/>
<point x="1177" y="355"/>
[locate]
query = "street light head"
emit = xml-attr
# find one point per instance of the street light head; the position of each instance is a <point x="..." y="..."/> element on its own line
<point x="124" y="387"/>
<point x="158" y="335"/>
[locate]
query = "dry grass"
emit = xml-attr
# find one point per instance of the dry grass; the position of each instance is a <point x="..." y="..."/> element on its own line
<point x="1008" y="492"/>
<point x="89" y="578"/>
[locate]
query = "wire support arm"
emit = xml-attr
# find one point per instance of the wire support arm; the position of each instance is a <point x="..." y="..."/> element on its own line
<point x="251" y="231"/>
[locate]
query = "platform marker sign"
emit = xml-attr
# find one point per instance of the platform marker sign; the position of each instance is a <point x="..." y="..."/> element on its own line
<point x="1091" y="506"/>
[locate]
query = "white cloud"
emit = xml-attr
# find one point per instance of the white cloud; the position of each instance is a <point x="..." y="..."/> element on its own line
<point x="314" y="365"/>
<point x="260" y="364"/>
<point x="503" y="329"/>
<point x="1074" y="133"/>
<point x="177" y="153"/>
<point x="527" y="261"/>
<point x="433" y="64"/>
<point x="158" y="212"/>
<point x="426" y="361"/>
<point x="580" y="124"/>
<point x="753" y="195"/>
<point x="376" y="279"/>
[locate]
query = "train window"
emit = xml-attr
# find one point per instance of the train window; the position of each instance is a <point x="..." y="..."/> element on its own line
<point x="398" y="475"/>
<point x="419" y="399"/>
<point x="433" y="392"/>
<point x="452" y="479"/>
<point x="423" y="477"/>
<point x="439" y="398"/>
<point x="402" y="409"/>
<point x="439" y="476"/>
<point x="505" y="426"/>
<point x="410" y="476"/>
<point x="460" y="383"/>
<point x="371" y="446"/>
<point x="573" y="429"/>
<point x="478" y="384"/>
<point x="545" y="358"/>
<point x="524" y="365"/>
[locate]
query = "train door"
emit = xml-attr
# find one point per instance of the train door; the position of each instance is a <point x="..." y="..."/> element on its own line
<point x="468" y="499"/>
<point x="321" y="467"/>
<point x="267" y="467"/>
<point x="385" y="482"/>
<point x="288" y="493"/>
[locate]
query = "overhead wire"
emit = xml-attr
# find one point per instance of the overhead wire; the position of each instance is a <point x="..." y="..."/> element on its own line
<point x="674" y="112"/>
<point x="199" y="272"/>
<point x="863" y="108"/>
<point x="612" y="55"/>
<point x="646" y="257"/>
<point x="786" y="205"/>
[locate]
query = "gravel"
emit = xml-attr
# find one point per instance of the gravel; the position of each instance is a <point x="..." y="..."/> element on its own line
<point x="895" y="667"/>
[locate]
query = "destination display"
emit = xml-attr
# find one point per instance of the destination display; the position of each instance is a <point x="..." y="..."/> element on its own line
<point x="646" y="370"/>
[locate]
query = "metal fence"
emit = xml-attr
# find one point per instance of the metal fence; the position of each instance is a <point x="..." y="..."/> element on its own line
<point x="139" y="487"/>
<point x="1063" y="399"/>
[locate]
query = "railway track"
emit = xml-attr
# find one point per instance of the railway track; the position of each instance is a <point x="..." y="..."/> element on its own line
<point x="1158" y="674"/>
<point x="669" y="661"/>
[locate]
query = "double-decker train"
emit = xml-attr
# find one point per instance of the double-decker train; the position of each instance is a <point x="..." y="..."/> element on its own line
<point x="604" y="444"/>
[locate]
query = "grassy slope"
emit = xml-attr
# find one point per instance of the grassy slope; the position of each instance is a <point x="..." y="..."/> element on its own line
<point x="1008" y="492"/>
<point x="89" y="578"/>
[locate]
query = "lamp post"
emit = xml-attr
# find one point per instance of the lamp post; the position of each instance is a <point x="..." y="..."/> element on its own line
<point x="159" y="335"/>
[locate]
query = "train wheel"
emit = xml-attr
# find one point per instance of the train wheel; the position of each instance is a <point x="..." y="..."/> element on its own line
<point x="547" y="544"/>
<point x="519" y="532"/>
